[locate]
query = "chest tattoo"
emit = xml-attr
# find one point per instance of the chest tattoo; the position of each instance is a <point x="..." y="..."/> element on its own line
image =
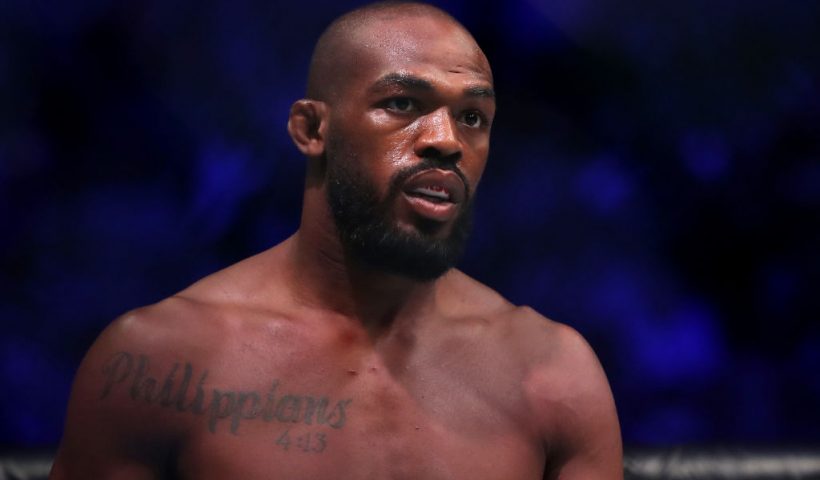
<point x="184" y="389"/>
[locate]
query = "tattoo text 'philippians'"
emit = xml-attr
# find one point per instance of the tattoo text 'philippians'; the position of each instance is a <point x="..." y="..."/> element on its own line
<point x="176" y="391"/>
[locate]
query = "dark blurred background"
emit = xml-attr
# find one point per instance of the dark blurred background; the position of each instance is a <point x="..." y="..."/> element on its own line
<point x="654" y="182"/>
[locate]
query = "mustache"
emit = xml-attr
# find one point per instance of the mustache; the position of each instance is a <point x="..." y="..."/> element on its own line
<point x="401" y="176"/>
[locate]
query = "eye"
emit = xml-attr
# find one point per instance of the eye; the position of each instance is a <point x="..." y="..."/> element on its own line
<point x="473" y="119"/>
<point x="401" y="104"/>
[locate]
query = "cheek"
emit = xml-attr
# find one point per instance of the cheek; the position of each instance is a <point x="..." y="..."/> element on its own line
<point x="362" y="160"/>
<point x="378" y="136"/>
<point x="385" y="153"/>
<point x="390" y="141"/>
<point x="396" y="155"/>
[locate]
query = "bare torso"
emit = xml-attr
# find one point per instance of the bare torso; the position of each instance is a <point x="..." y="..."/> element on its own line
<point x="225" y="381"/>
<point x="300" y="400"/>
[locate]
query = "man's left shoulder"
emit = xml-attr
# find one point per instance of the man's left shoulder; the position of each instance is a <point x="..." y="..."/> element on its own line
<point x="463" y="296"/>
<point x="550" y="342"/>
<point x="473" y="299"/>
<point x="553" y="353"/>
<point x="567" y="396"/>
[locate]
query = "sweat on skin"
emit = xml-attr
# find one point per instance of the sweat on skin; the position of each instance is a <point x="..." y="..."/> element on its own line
<point x="129" y="371"/>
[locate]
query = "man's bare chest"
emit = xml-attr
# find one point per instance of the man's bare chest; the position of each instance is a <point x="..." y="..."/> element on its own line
<point x="319" y="418"/>
<point x="368" y="429"/>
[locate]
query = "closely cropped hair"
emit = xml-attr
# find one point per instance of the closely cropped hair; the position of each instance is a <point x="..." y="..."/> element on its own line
<point x="341" y="29"/>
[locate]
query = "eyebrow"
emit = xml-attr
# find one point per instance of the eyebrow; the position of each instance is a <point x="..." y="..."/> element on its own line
<point x="477" y="91"/>
<point x="413" y="82"/>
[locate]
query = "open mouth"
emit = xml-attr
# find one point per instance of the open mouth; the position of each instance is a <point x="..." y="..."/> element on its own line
<point x="436" y="186"/>
<point x="433" y="193"/>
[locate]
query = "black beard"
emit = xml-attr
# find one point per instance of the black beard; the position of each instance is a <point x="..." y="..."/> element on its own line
<point x="369" y="236"/>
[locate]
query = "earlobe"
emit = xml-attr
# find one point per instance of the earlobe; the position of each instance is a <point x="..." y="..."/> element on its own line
<point x="307" y="125"/>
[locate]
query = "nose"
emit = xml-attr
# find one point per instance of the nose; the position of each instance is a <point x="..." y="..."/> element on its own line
<point x="438" y="137"/>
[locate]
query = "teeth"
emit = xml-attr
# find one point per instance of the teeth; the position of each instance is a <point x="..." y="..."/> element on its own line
<point x="430" y="192"/>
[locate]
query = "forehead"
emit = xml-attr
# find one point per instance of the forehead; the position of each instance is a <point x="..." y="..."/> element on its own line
<point x="425" y="45"/>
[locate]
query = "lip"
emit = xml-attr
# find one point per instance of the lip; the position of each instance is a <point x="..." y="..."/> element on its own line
<point x="434" y="194"/>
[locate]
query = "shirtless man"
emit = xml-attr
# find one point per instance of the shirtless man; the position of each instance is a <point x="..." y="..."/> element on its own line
<point x="353" y="350"/>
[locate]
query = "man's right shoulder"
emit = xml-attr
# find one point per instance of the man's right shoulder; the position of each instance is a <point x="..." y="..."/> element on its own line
<point x="205" y="315"/>
<point x="190" y="325"/>
<point x="170" y="324"/>
<point x="142" y="346"/>
<point x="121" y="414"/>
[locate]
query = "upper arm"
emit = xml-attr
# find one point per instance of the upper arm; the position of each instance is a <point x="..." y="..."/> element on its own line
<point x="573" y="404"/>
<point x="106" y="436"/>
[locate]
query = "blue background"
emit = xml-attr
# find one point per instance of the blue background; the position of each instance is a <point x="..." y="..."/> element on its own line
<point x="654" y="182"/>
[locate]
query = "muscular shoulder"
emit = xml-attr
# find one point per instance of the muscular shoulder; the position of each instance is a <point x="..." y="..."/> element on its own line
<point x="460" y="295"/>
<point x="206" y="333"/>
<point x="538" y="339"/>
<point x="216" y="311"/>
<point x="569" y="399"/>
<point x="108" y="427"/>
<point x="530" y="332"/>
<point x="540" y="350"/>
<point x="566" y="393"/>
<point x="160" y="334"/>
<point x="205" y="325"/>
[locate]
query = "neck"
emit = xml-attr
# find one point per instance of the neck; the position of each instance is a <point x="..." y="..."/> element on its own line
<point x="324" y="277"/>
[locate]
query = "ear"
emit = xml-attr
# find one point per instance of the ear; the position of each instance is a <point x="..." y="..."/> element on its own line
<point x="307" y="126"/>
